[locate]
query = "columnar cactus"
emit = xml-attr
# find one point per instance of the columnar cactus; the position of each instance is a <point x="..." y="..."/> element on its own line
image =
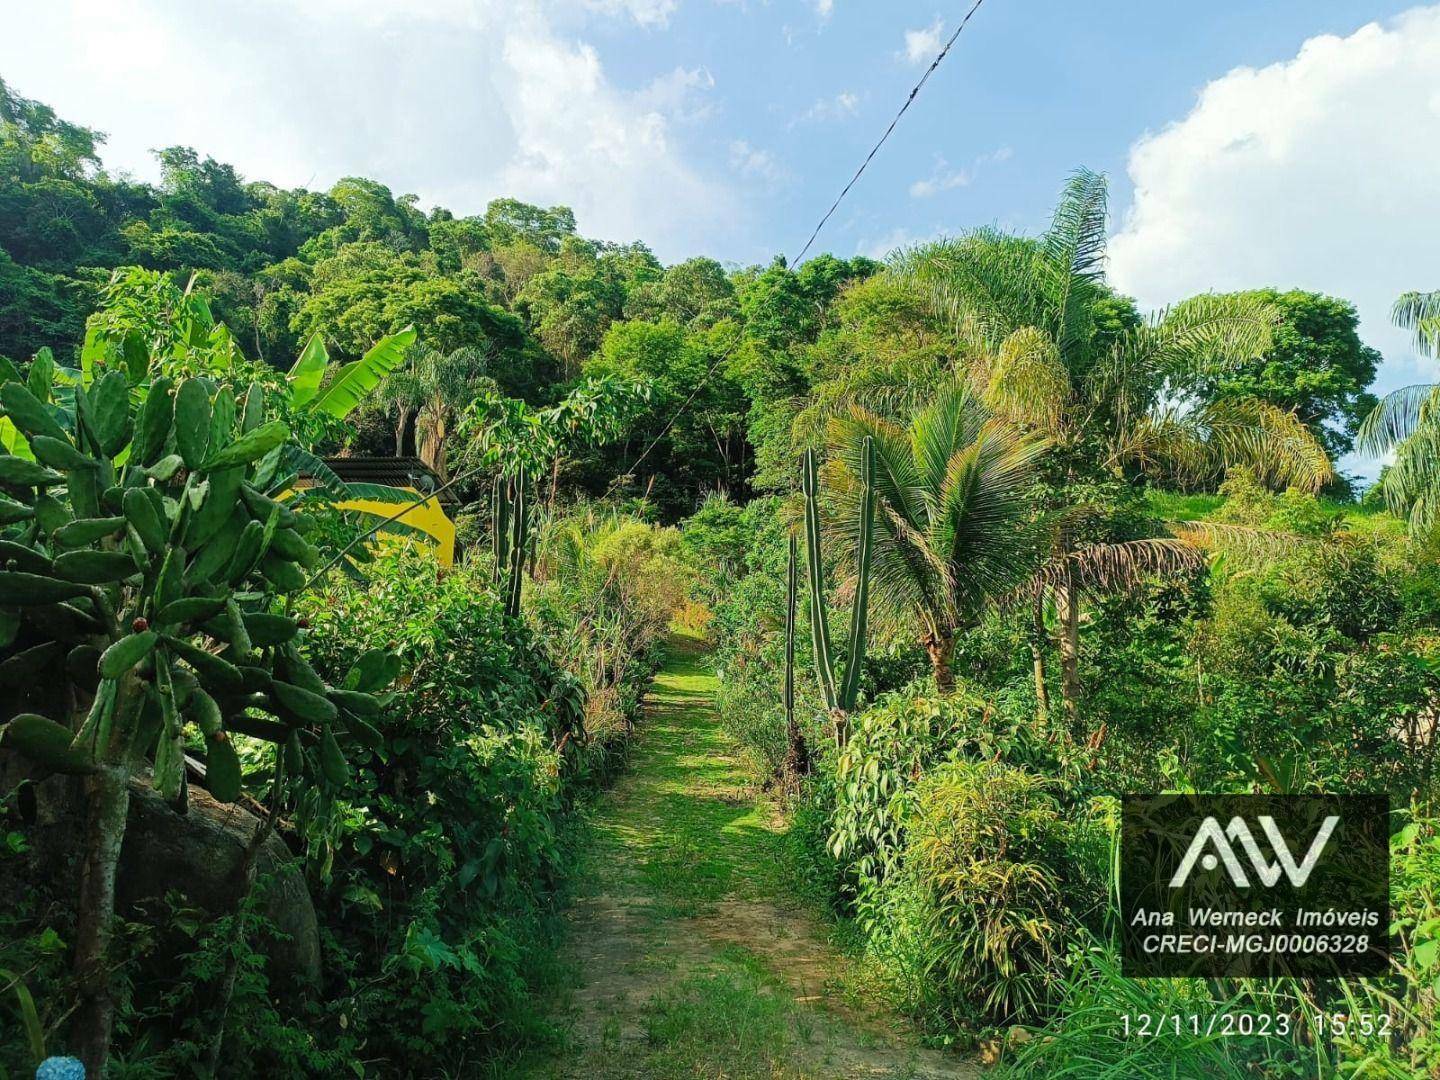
<point x="142" y="552"/>
<point x="839" y="697"/>
<point x="518" y="542"/>
<point x="797" y="756"/>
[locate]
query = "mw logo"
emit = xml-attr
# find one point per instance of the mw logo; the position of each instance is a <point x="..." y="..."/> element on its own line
<point x="1210" y="834"/>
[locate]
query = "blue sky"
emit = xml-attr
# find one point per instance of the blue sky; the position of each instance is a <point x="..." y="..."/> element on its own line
<point x="1056" y="84"/>
<point x="1283" y="143"/>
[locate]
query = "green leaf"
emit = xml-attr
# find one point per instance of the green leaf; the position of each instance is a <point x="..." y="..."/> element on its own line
<point x="309" y="369"/>
<point x="251" y="445"/>
<point x="29" y="1018"/>
<point x="358" y="380"/>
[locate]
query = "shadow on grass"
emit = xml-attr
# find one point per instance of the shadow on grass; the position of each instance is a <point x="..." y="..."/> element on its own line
<point x="686" y="820"/>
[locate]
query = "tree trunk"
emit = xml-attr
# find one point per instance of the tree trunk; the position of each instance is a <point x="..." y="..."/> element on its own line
<point x="797" y="754"/>
<point x="1067" y="609"/>
<point x="244" y="886"/>
<point x="108" y="792"/>
<point x="1037" y="653"/>
<point x="401" y="425"/>
<point x="941" y="648"/>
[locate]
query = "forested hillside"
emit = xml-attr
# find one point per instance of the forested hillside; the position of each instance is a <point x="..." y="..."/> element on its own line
<point x="937" y="558"/>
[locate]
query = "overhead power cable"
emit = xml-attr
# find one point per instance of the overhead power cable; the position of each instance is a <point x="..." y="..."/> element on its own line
<point x="910" y="100"/>
<point x="725" y="353"/>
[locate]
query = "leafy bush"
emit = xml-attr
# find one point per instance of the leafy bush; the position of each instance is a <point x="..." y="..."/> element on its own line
<point x="1086" y="1037"/>
<point x="607" y="586"/>
<point x="980" y="892"/>
<point x="439" y="865"/>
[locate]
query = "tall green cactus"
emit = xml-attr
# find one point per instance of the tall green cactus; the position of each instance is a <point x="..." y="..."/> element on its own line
<point x="519" y="541"/>
<point x="842" y="699"/>
<point x="499" y="528"/>
<point x="797" y="756"/>
<point x="860" y="610"/>
<point x="819" y="614"/>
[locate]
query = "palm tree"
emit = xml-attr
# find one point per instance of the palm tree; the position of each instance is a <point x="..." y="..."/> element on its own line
<point x="951" y="528"/>
<point x="1407" y="421"/>
<point x="1026" y="316"/>
<point x="432" y="391"/>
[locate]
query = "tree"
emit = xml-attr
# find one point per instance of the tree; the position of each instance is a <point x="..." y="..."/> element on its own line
<point x="696" y="293"/>
<point x="510" y="221"/>
<point x="1316" y="367"/>
<point x="570" y="312"/>
<point x="1041" y="339"/>
<point x="155" y="616"/>
<point x="695" y="416"/>
<point x="433" y="389"/>
<point x="783" y="307"/>
<point x="951" y="530"/>
<point x="1407" y="421"/>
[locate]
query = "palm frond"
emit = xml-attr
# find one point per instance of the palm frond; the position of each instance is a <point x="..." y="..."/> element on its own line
<point x="1196" y="445"/>
<point x="1396" y="417"/>
<point x="1244" y="540"/>
<point x="1271" y="440"/>
<point x="1073" y="264"/>
<point x="1100" y="569"/>
<point x="1075" y="242"/>
<point x="1027" y="382"/>
<point x="984" y="284"/>
<point x="1419" y="312"/>
<point x="1411" y="485"/>
<point x="953" y="419"/>
<point x="1212" y="334"/>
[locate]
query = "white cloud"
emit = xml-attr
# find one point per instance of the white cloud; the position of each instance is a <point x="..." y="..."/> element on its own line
<point x="824" y="8"/>
<point x="459" y="101"/>
<point x="644" y="12"/>
<point x="922" y="45"/>
<point x="750" y="161"/>
<point x="680" y="94"/>
<point x="839" y="107"/>
<point x="944" y="178"/>
<point x="1317" y="172"/>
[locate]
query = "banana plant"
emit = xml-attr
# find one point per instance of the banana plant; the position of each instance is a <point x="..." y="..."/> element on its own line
<point x="143" y="567"/>
<point x="839" y="696"/>
<point x="353" y="383"/>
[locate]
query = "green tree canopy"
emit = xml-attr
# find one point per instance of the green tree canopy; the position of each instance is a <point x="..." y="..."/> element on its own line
<point x="1316" y="366"/>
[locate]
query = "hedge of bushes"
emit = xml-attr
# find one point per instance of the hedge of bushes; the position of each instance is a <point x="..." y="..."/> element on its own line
<point x="967" y="839"/>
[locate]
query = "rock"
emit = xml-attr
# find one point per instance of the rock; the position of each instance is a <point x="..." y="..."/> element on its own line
<point x="199" y="854"/>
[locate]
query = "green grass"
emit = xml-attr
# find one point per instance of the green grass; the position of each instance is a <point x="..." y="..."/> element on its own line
<point x="685" y="828"/>
<point x="1369" y="521"/>
<point x="1179" y="506"/>
<point x="687" y="817"/>
<point x="731" y="1021"/>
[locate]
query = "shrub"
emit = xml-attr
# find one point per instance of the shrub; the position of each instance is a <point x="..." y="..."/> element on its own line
<point x="439" y="865"/>
<point x="978" y="908"/>
<point x="607" y="586"/>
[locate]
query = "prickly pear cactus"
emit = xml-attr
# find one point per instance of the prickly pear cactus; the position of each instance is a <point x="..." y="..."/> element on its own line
<point x="143" y="557"/>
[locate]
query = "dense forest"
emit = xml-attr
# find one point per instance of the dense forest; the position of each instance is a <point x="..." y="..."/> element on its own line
<point x="973" y="545"/>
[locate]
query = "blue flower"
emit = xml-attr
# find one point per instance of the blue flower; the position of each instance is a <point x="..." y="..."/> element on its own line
<point x="60" y="1068"/>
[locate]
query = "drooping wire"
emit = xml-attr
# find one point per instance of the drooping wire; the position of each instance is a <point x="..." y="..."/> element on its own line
<point x="725" y="353"/>
<point x="910" y="100"/>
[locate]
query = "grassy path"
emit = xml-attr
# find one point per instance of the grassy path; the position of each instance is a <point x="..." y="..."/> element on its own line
<point x="691" y="957"/>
